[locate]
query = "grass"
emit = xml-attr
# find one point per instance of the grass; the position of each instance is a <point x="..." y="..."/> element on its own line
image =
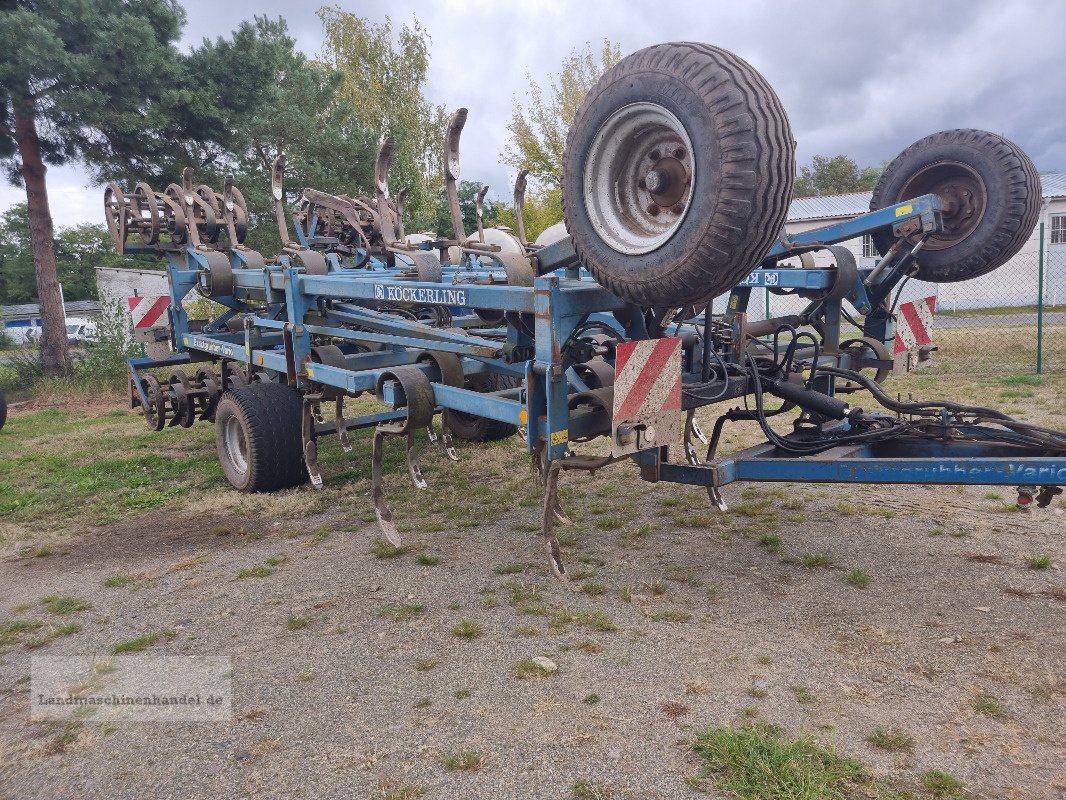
<point x="467" y="629"/>
<point x="509" y="569"/>
<point x="426" y="664"/>
<point x="120" y="580"/>
<point x="463" y="761"/>
<point x="941" y="784"/>
<point x="890" y="739"/>
<point x="401" y="612"/>
<point x="258" y="571"/>
<point x="426" y="560"/>
<point x="670" y="615"/>
<point x="591" y="699"/>
<point x="528" y="668"/>
<point x="10" y="632"/>
<point x="382" y="549"/>
<point x="64" y="604"/>
<point x="985" y="703"/>
<point x="757" y="762"/>
<point x="803" y="695"/>
<point x="141" y="643"/>
<point x="815" y="560"/>
<point x="771" y="541"/>
<point x="463" y="694"/>
<point x="857" y="578"/>
<point x="1038" y="562"/>
<point x="297" y="622"/>
<point x="594" y="589"/>
<point x="586" y="790"/>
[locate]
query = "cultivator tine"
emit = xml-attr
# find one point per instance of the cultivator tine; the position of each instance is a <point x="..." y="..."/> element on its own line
<point x="342" y="426"/>
<point x="697" y="431"/>
<point x="413" y="468"/>
<point x="381" y="507"/>
<point x="520" y="205"/>
<point x="309" y="445"/>
<point x="446" y="440"/>
<point x="691" y="455"/>
<point x="480" y="205"/>
<point x="716" y="498"/>
<point x="548" y="518"/>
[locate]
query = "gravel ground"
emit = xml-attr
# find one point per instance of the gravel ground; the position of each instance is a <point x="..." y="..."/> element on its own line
<point x="337" y="709"/>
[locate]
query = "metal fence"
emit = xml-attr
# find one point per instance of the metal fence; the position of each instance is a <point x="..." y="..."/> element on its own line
<point x="1011" y="321"/>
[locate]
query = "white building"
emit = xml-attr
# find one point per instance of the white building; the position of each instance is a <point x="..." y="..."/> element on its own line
<point x="1013" y="284"/>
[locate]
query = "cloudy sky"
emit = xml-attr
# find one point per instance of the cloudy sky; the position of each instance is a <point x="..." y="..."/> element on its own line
<point x="865" y="79"/>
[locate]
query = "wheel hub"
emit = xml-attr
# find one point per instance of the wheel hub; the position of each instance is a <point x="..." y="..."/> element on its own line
<point x="638" y="178"/>
<point x="963" y="194"/>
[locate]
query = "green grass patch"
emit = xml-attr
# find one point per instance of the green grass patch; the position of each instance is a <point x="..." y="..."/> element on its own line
<point x="401" y="612"/>
<point x="141" y="643"/>
<point x="467" y="629"/>
<point x="757" y="762"/>
<point x="890" y="740"/>
<point x="64" y="604"/>
<point x="259" y="571"/>
<point x="119" y="580"/>
<point x="857" y="578"/>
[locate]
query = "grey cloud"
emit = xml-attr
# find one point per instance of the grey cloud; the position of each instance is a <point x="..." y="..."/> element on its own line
<point x="865" y="79"/>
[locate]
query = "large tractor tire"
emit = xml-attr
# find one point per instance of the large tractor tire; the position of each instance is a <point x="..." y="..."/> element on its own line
<point x="677" y="174"/>
<point x="991" y="190"/>
<point x="472" y="428"/>
<point x="259" y="437"/>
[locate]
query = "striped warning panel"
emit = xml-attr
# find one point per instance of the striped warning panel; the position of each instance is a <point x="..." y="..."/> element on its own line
<point x="914" y="324"/>
<point x="647" y="379"/>
<point x="147" y="311"/>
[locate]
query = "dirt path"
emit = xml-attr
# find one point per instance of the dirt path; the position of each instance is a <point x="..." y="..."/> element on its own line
<point x="712" y="627"/>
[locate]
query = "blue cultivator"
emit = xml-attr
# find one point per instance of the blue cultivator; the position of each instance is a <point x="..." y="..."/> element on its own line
<point x="677" y="176"/>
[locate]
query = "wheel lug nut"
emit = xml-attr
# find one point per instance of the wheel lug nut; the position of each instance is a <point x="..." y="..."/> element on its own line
<point x="679" y="153"/>
<point x="654" y="155"/>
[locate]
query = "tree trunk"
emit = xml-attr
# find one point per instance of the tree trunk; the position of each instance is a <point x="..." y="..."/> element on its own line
<point x="55" y="351"/>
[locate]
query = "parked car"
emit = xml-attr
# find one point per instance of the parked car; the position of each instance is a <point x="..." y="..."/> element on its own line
<point x="81" y="331"/>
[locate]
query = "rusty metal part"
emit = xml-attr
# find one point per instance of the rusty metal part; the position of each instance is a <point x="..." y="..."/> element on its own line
<point x="183" y="398"/>
<point x="847" y="271"/>
<point x="145" y="213"/>
<point x="310" y="447"/>
<point x="427" y="266"/>
<point x="880" y="352"/>
<point x="520" y="204"/>
<point x="155" y="413"/>
<point x="217" y="279"/>
<point x="479" y="205"/>
<point x="386" y="216"/>
<point x="963" y="193"/>
<point x="381" y="506"/>
<point x="342" y="426"/>
<point x="451" y="171"/>
<point x="116" y="212"/>
<point x="277" y="193"/>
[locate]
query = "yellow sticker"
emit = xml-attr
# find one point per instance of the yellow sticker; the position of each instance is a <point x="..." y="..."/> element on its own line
<point x="904" y="210"/>
<point x="260" y="360"/>
<point x="523" y="417"/>
<point x="733" y="301"/>
<point x="310" y="372"/>
<point x="561" y="437"/>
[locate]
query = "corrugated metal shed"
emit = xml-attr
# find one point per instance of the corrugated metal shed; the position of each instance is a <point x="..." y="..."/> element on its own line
<point x="830" y="206"/>
<point x="1054" y="184"/>
<point x="840" y="206"/>
<point x="33" y="311"/>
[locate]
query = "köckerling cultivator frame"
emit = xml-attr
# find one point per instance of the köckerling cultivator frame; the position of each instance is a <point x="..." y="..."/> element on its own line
<point x="677" y="176"/>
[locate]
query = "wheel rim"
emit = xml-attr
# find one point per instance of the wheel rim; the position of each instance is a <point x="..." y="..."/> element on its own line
<point x="638" y="178"/>
<point x="963" y="194"/>
<point x="236" y="444"/>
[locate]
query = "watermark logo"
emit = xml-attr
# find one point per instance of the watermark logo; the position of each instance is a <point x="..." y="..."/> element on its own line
<point x="131" y="688"/>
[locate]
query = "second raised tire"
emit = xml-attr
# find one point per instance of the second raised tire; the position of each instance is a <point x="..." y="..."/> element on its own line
<point x="677" y="174"/>
<point x="258" y="437"/>
<point x="991" y="193"/>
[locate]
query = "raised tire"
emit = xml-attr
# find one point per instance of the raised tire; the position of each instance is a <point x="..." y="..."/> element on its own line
<point x="677" y="174"/>
<point x="258" y="436"/>
<point x="472" y="428"/>
<point x="992" y="192"/>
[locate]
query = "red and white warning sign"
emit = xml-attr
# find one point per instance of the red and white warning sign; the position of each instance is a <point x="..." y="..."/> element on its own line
<point x="914" y="324"/>
<point x="149" y="312"/>
<point x="647" y="394"/>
